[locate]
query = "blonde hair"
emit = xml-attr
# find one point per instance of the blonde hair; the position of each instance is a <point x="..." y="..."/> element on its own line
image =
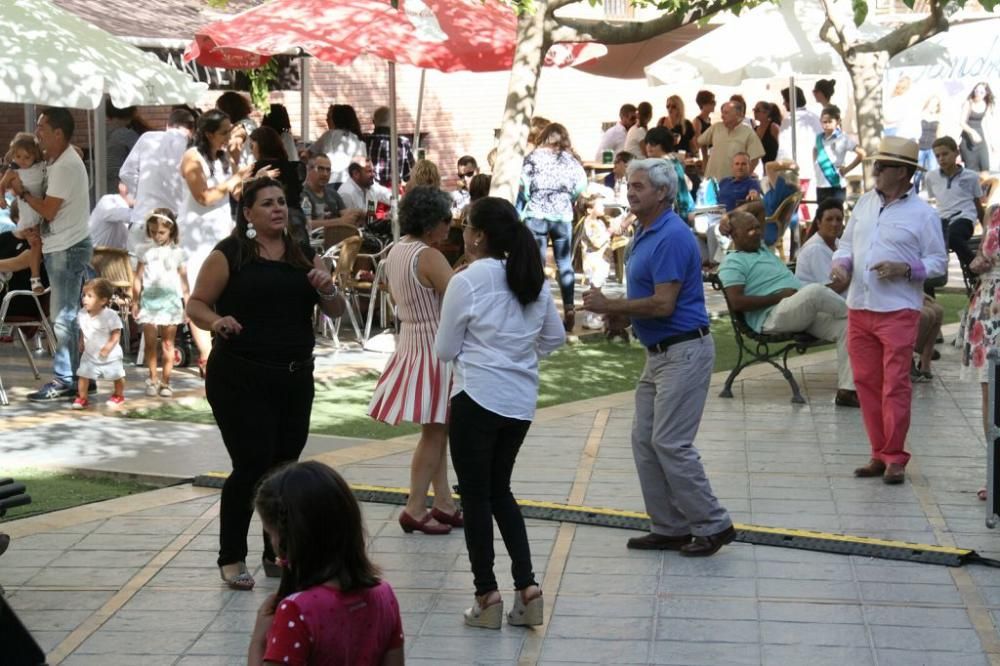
<point x="425" y="172"/>
<point x="676" y="99"/>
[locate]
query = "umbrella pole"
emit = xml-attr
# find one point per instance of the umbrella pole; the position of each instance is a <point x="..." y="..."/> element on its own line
<point x="420" y="107"/>
<point x="100" y="149"/>
<point x="306" y="83"/>
<point x="793" y="102"/>
<point x="393" y="152"/>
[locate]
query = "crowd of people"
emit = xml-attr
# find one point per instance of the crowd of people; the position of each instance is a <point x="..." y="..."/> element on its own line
<point x="225" y="217"/>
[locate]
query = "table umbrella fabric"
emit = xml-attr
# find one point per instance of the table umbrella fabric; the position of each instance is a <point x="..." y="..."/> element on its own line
<point x="445" y="35"/>
<point x="50" y="57"/>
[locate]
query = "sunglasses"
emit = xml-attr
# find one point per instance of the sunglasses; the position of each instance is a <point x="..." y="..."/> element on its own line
<point x="882" y="166"/>
<point x="467" y="174"/>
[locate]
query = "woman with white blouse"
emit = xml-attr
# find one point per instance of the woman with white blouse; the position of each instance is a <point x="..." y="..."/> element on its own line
<point x="497" y="319"/>
<point x="816" y="256"/>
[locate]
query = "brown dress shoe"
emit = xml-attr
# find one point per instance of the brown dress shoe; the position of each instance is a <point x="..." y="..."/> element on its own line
<point x="658" y="542"/>
<point x="894" y="474"/>
<point x="846" y="398"/>
<point x="703" y="546"/>
<point x="873" y="468"/>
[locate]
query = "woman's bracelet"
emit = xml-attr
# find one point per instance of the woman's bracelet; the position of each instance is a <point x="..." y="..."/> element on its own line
<point x="329" y="296"/>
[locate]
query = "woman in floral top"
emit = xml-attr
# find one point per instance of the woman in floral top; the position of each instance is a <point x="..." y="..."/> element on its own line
<point x="551" y="180"/>
<point x="982" y="329"/>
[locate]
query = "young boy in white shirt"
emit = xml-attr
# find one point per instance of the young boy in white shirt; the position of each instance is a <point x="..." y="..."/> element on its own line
<point x="958" y="192"/>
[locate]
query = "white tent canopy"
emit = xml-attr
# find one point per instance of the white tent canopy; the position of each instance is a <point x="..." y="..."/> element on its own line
<point x="49" y="56"/>
<point x="766" y="42"/>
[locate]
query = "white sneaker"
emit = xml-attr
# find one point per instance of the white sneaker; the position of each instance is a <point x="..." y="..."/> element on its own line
<point x="166" y="391"/>
<point x="151" y="388"/>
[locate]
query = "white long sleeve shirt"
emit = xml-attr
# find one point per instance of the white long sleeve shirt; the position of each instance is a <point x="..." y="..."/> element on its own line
<point x="494" y="342"/>
<point x="152" y="173"/>
<point x="906" y="230"/>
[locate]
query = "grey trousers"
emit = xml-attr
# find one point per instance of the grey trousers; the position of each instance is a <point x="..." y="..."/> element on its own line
<point x="669" y="401"/>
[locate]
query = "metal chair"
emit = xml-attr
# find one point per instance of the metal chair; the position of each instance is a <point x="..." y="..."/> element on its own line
<point x="17" y="324"/>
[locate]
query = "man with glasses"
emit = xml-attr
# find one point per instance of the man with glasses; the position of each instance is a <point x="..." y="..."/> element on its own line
<point x="328" y="207"/>
<point x="467" y="168"/>
<point x="891" y="245"/>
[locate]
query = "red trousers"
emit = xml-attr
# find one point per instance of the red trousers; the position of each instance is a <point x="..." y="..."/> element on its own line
<point x="881" y="348"/>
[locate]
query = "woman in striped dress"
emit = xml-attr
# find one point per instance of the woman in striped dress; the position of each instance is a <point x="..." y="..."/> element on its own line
<point x="415" y="384"/>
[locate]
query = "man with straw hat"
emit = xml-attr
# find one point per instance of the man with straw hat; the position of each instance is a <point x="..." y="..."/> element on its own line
<point x="892" y="243"/>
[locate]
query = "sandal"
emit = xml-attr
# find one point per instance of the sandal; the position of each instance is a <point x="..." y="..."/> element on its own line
<point x="271" y="569"/>
<point x="488" y="616"/>
<point x="242" y="581"/>
<point x="37" y="288"/>
<point x="981" y="494"/>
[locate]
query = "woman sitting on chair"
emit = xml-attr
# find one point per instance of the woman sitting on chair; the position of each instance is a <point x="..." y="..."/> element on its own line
<point x="17" y="249"/>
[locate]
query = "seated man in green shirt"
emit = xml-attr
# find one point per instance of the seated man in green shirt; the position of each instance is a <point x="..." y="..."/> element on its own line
<point x="773" y="300"/>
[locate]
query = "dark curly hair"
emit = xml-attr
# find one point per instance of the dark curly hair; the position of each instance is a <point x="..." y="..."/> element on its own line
<point x="209" y="123"/>
<point x="249" y="250"/>
<point x="422" y="209"/>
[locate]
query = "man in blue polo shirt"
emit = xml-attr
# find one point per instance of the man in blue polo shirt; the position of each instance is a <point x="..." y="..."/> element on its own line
<point x="666" y="303"/>
<point x="742" y="186"/>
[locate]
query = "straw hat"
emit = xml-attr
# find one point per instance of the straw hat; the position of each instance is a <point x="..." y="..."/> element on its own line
<point x="897" y="149"/>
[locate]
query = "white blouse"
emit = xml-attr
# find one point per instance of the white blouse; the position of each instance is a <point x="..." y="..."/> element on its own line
<point x="494" y="342"/>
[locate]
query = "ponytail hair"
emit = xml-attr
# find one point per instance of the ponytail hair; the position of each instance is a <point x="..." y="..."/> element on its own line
<point x="507" y="238"/>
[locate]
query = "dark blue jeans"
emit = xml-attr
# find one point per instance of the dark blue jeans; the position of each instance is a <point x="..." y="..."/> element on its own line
<point x="561" y="234"/>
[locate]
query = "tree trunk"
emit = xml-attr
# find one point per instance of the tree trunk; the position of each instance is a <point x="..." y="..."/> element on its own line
<point x="867" y="71"/>
<point x="532" y="45"/>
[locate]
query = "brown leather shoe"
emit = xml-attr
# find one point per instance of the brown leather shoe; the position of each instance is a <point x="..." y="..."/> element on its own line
<point x="894" y="474"/>
<point x="873" y="468"/>
<point x="703" y="546"/>
<point x="846" y="398"/>
<point x="658" y="542"/>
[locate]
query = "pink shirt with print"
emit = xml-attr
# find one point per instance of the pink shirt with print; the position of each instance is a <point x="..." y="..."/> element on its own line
<point x="323" y="626"/>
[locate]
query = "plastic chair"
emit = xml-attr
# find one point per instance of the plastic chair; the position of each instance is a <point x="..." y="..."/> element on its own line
<point x="18" y="323"/>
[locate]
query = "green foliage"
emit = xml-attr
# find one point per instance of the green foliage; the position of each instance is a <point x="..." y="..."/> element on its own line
<point x="260" y="84"/>
<point x="860" y="8"/>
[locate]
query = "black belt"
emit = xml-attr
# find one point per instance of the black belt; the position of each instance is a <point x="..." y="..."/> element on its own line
<point x="671" y="340"/>
<point x="291" y="366"/>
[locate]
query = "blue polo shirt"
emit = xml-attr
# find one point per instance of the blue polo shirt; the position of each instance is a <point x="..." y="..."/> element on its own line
<point x="732" y="192"/>
<point x="667" y="251"/>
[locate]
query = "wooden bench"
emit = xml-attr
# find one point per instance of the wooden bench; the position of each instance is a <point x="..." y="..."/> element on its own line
<point x="754" y="347"/>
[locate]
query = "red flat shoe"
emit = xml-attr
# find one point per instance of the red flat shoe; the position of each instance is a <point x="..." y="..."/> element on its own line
<point x="411" y="524"/>
<point x="454" y="519"/>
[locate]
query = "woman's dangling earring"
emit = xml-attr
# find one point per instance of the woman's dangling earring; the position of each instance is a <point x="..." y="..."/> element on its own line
<point x="251" y="233"/>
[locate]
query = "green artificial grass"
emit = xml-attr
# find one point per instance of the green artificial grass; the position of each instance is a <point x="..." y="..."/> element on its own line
<point x="588" y="369"/>
<point x="51" y="490"/>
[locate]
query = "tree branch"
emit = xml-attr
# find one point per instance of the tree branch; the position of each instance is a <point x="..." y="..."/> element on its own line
<point x="909" y="34"/>
<point x="573" y="29"/>
<point x="832" y="30"/>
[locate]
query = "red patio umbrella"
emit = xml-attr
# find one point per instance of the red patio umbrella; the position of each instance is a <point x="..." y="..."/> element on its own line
<point x="446" y="35"/>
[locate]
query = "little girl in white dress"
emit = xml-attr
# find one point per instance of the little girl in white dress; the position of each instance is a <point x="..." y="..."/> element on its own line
<point x="159" y="293"/>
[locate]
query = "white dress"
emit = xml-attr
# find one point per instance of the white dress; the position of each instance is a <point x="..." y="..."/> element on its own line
<point x="161" y="303"/>
<point x="33" y="180"/>
<point x="202" y="227"/>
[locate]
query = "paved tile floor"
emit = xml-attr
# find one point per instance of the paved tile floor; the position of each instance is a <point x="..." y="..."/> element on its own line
<point x="132" y="580"/>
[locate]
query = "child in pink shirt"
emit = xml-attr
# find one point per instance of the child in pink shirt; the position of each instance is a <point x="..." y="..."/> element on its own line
<point x="330" y="608"/>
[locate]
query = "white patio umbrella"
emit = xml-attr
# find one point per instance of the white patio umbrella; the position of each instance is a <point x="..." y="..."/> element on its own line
<point x="770" y="41"/>
<point x="50" y="57"/>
